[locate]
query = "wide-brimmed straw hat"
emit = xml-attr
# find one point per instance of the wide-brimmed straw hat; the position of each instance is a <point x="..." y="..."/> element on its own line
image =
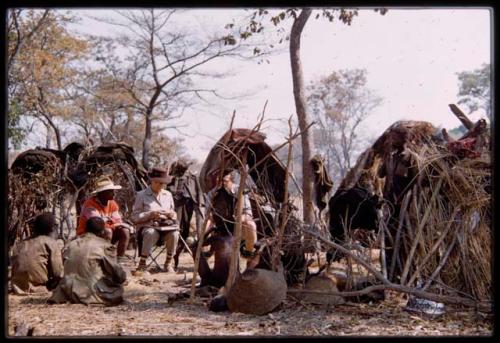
<point x="104" y="183"/>
<point x="159" y="175"/>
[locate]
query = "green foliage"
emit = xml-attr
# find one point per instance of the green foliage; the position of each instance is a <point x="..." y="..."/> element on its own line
<point x="42" y="71"/>
<point x="15" y="132"/>
<point x="475" y="89"/>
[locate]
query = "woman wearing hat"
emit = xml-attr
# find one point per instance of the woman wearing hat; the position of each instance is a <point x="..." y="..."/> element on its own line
<point x="154" y="214"/>
<point x="102" y="204"/>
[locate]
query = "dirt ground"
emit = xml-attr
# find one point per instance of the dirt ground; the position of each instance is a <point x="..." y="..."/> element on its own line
<point x="153" y="307"/>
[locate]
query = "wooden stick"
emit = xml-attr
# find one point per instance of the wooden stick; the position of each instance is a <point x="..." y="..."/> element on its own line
<point x="434" y="247"/>
<point x="485" y="306"/>
<point x="461" y="116"/>
<point x="279" y="147"/>
<point x="198" y="255"/>
<point x="441" y="264"/>
<point x="284" y="209"/>
<point x="234" y="262"/>
<point x="381" y="230"/>
<point x="419" y="231"/>
<point x="397" y="239"/>
<point x="358" y="259"/>
<point x="205" y="221"/>
<point x="186" y="245"/>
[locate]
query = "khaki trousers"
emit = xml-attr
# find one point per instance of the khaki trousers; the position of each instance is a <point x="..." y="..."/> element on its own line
<point x="150" y="236"/>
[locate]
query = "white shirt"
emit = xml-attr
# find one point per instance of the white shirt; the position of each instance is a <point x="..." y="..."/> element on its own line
<point x="146" y="202"/>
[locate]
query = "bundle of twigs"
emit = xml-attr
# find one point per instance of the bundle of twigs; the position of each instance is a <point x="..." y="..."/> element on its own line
<point x="436" y="216"/>
<point x="447" y="243"/>
<point x="32" y="191"/>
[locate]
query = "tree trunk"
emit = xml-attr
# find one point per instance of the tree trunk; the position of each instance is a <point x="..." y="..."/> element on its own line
<point x="146" y="144"/>
<point x="47" y="137"/>
<point x="52" y="125"/>
<point x="302" y="115"/>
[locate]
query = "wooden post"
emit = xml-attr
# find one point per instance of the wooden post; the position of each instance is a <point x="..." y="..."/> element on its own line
<point x="284" y="209"/>
<point x="461" y="116"/>
<point x="198" y="254"/>
<point x="235" y="253"/>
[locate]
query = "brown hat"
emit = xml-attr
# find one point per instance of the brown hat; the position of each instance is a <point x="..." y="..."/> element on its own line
<point x="159" y="175"/>
<point x="104" y="183"/>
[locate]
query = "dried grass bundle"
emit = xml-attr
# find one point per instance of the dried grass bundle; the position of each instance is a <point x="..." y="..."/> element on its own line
<point x="448" y="241"/>
<point x="31" y="192"/>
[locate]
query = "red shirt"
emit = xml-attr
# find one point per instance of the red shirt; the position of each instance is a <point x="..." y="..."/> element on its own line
<point x="92" y="208"/>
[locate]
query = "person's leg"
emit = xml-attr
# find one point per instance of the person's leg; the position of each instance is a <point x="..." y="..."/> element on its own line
<point x="250" y="235"/>
<point x="222" y="250"/>
<point x="249" y="232"/>
<point x="149" y="238"/>
<point x="171" y="241"/>
<point x="204" y="271"/>
<point x="122" y="236"/>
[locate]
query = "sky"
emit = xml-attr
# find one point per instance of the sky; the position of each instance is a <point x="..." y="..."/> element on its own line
<point x="412" y="57"/>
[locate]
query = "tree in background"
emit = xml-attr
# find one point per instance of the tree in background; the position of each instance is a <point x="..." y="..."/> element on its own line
<point x="299" y="19"/>
<point x="17" y="35"/>
<point x="88" y="85"/>
<point x="475" y="89"/>
<point x="339" y="103"/>
<point x="41" y="68"/>
<point x="106" y="113"/>
<point x="160" y="71"/>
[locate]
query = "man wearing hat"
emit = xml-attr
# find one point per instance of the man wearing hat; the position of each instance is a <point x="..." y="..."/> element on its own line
<point x="154" y="214"/>
<point x="102" y="204"/>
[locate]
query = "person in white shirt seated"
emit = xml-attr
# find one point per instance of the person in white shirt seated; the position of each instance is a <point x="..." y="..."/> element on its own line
<point x="154" y="214"/>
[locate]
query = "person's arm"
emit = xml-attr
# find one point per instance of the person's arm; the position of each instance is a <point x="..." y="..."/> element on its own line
<point x="110" y="267"/>
<point x="209" y="227"/>
<point x="208" y="212"/>
<point x="170" y="210"/>
<point x="86" y="213"/>
<point x="115" y="215"/>
<point x="55" y="265"/>
<point x="139" y="215"/>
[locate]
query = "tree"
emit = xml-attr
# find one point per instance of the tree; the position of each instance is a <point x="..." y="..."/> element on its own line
<point x="339" y="103"/>
<point x="475" y="89"/>
<point x="299" y="19"/>
<point x="15" y="132"/>
<point x="17" y="36"/>
<point x="302" y="114"/>
<point x="162" y="67"/>
<point x="42" y="68"/>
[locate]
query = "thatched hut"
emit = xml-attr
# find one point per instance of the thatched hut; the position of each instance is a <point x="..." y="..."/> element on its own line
<point x="437" y="211"/>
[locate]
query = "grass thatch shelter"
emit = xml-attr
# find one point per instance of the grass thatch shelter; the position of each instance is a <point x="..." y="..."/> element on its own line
<point x="437" y="212"/>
